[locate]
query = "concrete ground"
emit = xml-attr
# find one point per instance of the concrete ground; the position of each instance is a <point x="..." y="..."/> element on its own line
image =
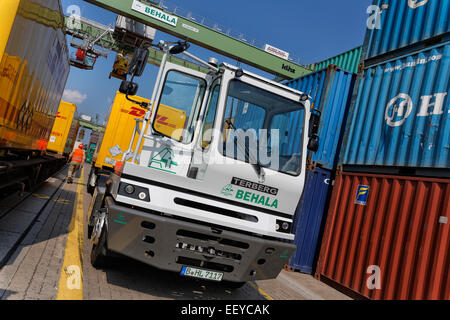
<point x="44" y="255"/>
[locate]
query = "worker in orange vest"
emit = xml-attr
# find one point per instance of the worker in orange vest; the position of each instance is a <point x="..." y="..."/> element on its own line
<point x="78" y="158"/>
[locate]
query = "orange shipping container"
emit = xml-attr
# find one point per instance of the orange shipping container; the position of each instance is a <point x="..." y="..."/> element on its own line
<point x="388" y="237"/>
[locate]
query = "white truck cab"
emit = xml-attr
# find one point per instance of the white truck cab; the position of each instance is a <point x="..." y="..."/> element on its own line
<point x="215" y="200"/>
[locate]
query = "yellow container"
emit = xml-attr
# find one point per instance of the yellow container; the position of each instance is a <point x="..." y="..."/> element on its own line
<point x="121" y="124"/>
<point x="61" y="127"/>
<point x="34" y="67"/>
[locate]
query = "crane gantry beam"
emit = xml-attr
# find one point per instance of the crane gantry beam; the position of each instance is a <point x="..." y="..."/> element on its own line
<point x="158" y="17"/>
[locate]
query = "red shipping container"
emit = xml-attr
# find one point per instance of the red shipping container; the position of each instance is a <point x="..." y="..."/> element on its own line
<point x="388" y="237"/>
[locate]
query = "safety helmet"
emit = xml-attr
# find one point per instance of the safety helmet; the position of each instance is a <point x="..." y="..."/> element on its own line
<point x="81" y="146"/>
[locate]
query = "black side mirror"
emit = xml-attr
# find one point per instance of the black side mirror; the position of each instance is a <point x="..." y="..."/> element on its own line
<point x="138" y="63"/>
<point x="314" y="123"/>
<point x="179" y="48"/>
<point x="128" y="88"/>
<point x="313" y="144"/>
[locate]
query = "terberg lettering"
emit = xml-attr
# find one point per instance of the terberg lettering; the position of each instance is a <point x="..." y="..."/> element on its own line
<point x="254" y="186"/>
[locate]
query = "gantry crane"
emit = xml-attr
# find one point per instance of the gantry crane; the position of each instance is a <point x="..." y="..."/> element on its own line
<point x="214" y="38"/>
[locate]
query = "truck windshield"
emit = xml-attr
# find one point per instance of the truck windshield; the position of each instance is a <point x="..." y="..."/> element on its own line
<point x="263" y="127"/>
<point x="179" y="106"/>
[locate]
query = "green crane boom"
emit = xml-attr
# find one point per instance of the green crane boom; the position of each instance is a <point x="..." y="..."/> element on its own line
<point x="186" y="29"/>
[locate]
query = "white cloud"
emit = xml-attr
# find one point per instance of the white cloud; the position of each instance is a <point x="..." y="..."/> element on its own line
<point x="74" y="96"/>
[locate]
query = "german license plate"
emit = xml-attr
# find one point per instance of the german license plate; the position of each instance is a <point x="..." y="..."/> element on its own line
<point x="202" y="274"/>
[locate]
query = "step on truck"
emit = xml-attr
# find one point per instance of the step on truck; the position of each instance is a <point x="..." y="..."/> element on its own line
<point x="215" y="199"/>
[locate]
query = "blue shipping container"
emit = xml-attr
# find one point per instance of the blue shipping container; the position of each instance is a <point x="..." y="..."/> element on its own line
<point x="401" y="115"/>
<point x="308" y="218"/>
<point x="404" y="23"/>
<point x="331" y="91"/>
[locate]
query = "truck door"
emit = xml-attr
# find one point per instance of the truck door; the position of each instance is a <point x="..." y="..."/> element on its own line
<point x="168" y="146"/>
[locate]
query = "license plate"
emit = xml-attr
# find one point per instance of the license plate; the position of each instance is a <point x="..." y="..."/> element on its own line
<point x="202" y="274"/>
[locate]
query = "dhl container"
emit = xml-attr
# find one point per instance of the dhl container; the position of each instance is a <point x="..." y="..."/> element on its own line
<point x="309" y="217"/>
<point x="348" y="61"/>
<point x="61" y="127"/>
<point x="34" y="67"/>
<point x="403" y="26"/>
<point x="388" y="237"/>
<point x="400" y="117"/>
<point x="121" y="124"/>
<point x="331" y="91"/>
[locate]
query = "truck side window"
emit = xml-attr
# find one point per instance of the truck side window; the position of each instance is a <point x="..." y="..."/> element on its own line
<point x="208" y="123"/>
<point x="179" y="106"/>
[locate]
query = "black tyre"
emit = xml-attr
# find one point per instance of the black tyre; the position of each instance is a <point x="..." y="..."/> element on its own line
<point x="234" y="285"/>
<point x="90" y="189"/>
<point x="99" y="252"/>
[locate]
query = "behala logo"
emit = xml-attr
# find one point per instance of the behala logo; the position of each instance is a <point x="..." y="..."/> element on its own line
<point x="416" y="3"/>
<point x="227" y="190"/>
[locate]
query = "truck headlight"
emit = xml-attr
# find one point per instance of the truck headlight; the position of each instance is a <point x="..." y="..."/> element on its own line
<point x="129" y="189"/>
<point x="133" y="191"/>
<point x="283" y="226"/>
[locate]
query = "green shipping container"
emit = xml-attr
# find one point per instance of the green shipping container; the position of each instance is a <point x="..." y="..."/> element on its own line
<point x="348" y="61"/>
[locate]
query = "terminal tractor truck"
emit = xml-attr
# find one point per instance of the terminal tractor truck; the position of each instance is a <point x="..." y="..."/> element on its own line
<point x="216" y="199"/>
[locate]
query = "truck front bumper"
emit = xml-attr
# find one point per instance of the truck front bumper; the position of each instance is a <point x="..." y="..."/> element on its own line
<point x="170" y="244"/>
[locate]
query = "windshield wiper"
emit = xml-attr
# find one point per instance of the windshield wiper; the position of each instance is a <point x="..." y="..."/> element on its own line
<point x="253" y="161"/>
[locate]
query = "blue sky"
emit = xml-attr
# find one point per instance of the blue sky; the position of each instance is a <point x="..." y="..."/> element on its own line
<point x="312" y="30"/>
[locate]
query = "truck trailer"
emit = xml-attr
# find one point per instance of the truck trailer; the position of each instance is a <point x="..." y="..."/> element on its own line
<point x="34" y="67"/>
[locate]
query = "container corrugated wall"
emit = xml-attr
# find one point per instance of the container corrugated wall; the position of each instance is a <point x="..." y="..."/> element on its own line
<point x="331" y="91"/>
<point x="401" y="115"/>
<point x="404" y="23"/>
<point x="308" y="219"/>
<point x="348" y="61"/>
<point x="397" y="246"/>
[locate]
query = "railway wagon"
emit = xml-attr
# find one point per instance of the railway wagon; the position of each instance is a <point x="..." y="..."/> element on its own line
<point x="34" y="67"/>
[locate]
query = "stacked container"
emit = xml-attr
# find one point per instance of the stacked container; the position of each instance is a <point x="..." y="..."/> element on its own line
<point x="387" y="234"/>
<point x="331" y="90"/>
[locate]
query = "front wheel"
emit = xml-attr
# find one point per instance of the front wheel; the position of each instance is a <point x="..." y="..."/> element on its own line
<point x="99" y="252"/>
<point x="90" y="188"/>
<point x="234" y="285"/>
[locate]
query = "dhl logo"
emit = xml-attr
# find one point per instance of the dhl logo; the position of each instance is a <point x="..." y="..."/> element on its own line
<point x="9" y="72"/>
<point x="140" y="113"/>
<point x="59" y="116"/>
